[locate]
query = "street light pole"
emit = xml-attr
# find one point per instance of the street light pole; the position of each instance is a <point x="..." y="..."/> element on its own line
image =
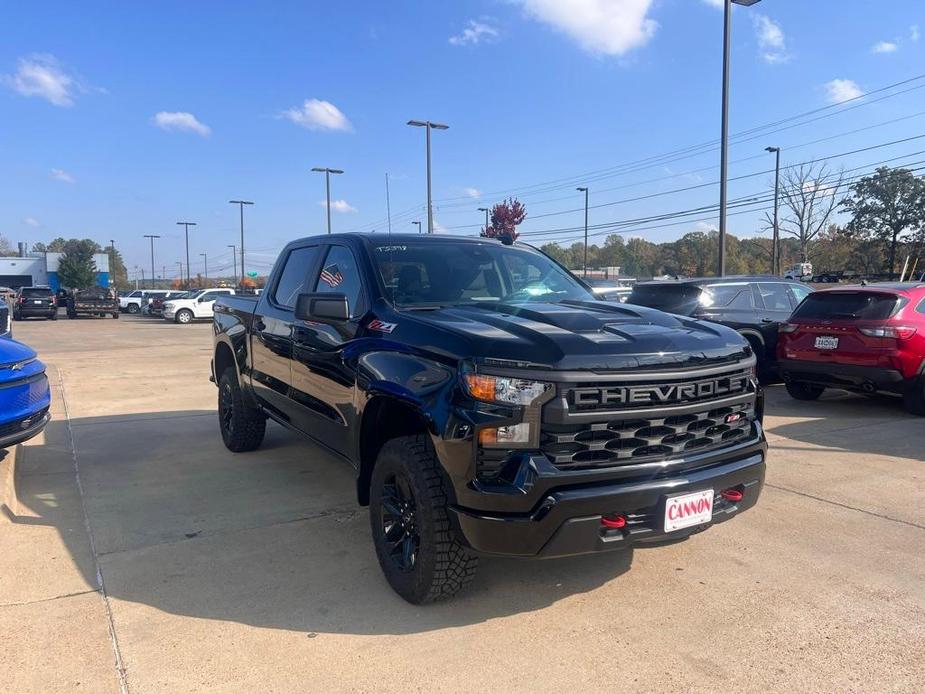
<point x="327" y="186"/>
<point x="186" y="226"/>
<point x="585" y="191"/>
<point x="205" y="260"/>
<point x="428" y="126"/>
<point x="486" y="210"/>
<point x="241" y="204"/>
<point x="152" y="237"/>
<point x="419" y="226"/>
<point x="724" y="136"/>
<point x="775" y="250"/>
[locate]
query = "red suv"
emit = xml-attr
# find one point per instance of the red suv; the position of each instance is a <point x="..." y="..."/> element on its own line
<point x="862" y="338"/>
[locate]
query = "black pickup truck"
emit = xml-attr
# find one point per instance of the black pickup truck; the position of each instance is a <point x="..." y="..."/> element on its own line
<point x="489" y="403"/>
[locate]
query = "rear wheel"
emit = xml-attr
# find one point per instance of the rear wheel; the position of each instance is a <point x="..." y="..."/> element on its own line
<point x="71" y="315"/>
<point x="115" y="315"/>
<point x="242" y="426"/>
<point x="133" y="308"/>
<point x="184" y="316"/>
<point x="421" y="558"/>
<point x="53" y="316"/>
<point x="914" y="397"/>
<point x="804" y="391"/>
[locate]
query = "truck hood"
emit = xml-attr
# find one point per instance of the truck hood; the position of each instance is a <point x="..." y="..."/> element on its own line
<point x="574" y="335"/>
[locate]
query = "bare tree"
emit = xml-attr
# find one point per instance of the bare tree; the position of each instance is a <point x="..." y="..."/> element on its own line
<point x="809" y="197"/>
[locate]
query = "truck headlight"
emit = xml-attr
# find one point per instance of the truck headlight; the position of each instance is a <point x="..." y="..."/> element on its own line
<point x="502" y="389"/>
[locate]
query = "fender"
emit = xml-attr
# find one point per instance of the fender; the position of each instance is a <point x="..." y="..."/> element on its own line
<point x="754" y="333"/>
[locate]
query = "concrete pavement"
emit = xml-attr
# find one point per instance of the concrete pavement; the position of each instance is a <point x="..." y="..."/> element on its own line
<point x="255" y="572"/>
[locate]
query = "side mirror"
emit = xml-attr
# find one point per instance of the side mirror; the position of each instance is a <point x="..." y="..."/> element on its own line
<point x="322" y="307"/>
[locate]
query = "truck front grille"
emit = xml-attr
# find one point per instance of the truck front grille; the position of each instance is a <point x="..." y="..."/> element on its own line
<point x="615" y="442"/>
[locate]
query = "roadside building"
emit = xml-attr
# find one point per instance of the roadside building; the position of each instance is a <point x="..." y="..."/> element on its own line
<point x="27" y="270"/>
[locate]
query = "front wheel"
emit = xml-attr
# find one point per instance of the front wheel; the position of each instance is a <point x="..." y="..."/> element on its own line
<point x="804" y="391"/>
<point x="421" y="558"/>
<point x="914" y="397"/>
<point x="115" y="315"/>
<point x="184" y="316"/>
<point x="133" y="308"/>
<point x="242" y="426"/>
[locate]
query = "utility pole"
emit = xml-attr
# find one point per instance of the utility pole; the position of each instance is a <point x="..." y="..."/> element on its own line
<point x="428" y="126"/>
<point x="486" y="210"/>
<point x="180" y="265"/>
<point x="724" y="135"/>
<point x="205" y="260"/>
<point x="241" y="203"/>
<point x="775" y="249"/>
<point x="152" y="237"/>
<point x="585" y="191"/>
<point x="419" y="226"/>
<point x="327" y="186"/>
<point x="234" y="257"/>
<point x="388" y="202"/>
<point x="186" y="226"/>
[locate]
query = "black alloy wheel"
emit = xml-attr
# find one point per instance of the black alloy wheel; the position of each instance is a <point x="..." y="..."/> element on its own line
<point x="398" y="521"/>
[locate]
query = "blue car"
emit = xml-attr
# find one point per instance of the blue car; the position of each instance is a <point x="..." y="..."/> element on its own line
<point x="24" y="394"/>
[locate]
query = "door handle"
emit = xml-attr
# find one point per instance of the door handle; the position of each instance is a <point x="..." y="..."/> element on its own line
<point x="768" y="320"/>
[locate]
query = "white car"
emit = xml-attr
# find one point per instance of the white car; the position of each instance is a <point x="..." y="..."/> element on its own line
<point x="196" y="307"/>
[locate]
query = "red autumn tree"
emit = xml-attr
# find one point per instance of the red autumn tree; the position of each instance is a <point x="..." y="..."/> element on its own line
<point x="505" y="217"/>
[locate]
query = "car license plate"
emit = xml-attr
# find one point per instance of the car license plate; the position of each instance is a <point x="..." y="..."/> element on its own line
<point x="826" y="342"/>
<point x="37" y="301"/>
<point x="688" y="509"/>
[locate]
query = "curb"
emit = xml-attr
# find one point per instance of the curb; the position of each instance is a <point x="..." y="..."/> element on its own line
<point x="8" y="500"/>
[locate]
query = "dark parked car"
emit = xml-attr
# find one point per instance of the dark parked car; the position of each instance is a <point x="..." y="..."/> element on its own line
<point x="34" y="302"/>
<point x="94" y="301"/>
<point x="754" y="306"/>
<point x="489" y="403"/>
<point x="24" y="394"/>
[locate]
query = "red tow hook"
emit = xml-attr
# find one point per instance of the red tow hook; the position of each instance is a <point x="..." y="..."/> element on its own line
<point x="732" y="495"/>
<point x="611" y="520"/>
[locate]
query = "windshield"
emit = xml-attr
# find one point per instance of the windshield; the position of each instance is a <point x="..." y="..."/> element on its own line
<point x="451" y="273"/>
<point x="36" y="291"/>
<point x="673" y="298"/>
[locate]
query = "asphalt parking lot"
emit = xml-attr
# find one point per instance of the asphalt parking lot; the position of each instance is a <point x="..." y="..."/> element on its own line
<point x="256" y="572"/>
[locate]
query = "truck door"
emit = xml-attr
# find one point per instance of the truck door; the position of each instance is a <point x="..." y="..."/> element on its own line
<point x="322" y="384"/>
<point x="271" y="330"/>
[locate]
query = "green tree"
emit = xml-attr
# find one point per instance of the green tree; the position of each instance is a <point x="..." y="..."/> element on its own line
<point x="118" y="273"/>
<point x="76" y="270"/>
<point x="886" y="205"/>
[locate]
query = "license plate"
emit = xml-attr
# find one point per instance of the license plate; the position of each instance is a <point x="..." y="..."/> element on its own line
<point x="37" y="301"/>
<point x="826" y="342"/>
<point x="688" y="509"/>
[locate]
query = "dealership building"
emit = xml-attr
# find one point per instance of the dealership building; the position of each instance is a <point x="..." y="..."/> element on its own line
<point x="28" y="270"/>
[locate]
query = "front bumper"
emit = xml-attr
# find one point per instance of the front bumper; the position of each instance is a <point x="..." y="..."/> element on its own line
<point x="36" y="311"/>
<point x="12" y="433"/>
<point x="568" y="520"/>
<point x="846" y="376"/>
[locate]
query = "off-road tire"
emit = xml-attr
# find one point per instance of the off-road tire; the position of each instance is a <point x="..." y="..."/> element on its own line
<point x="914" y="397"/>
<point x="183" y="316"/>
<point x="242" y="425"/>
<point x="804" y="391"/>
<point x="442" y="566"/>
<point x="115" y="315"/>
<point x="133" y="308"/>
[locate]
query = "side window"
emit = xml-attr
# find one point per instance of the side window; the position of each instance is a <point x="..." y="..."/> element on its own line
<point x="921" y="307"/>
<point x="209" y="296"/>
<point x="775" y="296"/>
<point x="799" y="293"/>
<point x="341" y="275"/>
<point x="294" y="278"/>
<point x="737" y="296"/>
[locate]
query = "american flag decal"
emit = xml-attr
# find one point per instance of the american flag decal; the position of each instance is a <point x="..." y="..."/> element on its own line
<point x="331" y="276"/>
<point x="382" y="326"/>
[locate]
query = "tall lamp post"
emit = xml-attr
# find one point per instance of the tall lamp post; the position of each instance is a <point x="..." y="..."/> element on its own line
<point x="428" y="126"/>
<point x="241" y="204"/>
<point x="327" y="186"/>
<point x="486" y="210"/>
<point x="585" y="191"/>
<point x="775" y="249"/>
<point x="205" y="260"/>
<point x="724" y="136"/>
<point x="152" y="237"/>
<point x="186" y="226"/>
<point x="419" y="226"/>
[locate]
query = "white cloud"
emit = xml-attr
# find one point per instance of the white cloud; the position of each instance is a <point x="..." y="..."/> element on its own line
<point x="718" y="4"/>
<point x="316" y="114"/>
<point x="181" y="121"/>
<point x="62" y="175"/>
<point x="341" y="206"/>
<point x="914" y="32"/>
<point x="43" y="76"/>
<point x="771" y="39"/>
<point x="472" y="192"/>
<point x="705" y="227"/>
<point x="885" y="47"/>
<point x="31" y="222"/>
<point x="609" y="27"/>
<point x="839" y="90"/>
<point x="475" y="33"/>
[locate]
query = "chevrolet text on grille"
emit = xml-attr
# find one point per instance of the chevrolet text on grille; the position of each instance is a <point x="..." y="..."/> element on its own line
<point x="670" y="392"/>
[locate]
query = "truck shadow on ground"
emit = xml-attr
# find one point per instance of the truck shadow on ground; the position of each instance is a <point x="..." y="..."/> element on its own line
<point x="272" y="538"/>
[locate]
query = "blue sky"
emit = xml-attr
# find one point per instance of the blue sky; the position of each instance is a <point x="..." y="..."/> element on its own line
<point x="121" y="118"/>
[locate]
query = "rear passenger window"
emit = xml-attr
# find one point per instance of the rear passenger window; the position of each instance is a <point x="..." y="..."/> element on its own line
<point x="294" y="278"/>
<point x="738" y="296"/>
<point x="775" y="296"/>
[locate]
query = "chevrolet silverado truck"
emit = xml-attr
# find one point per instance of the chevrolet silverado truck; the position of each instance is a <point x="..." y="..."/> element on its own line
<point x="488" y="403"/>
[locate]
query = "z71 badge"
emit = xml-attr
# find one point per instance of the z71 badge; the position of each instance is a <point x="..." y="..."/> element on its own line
<point x="382" y="326"/>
